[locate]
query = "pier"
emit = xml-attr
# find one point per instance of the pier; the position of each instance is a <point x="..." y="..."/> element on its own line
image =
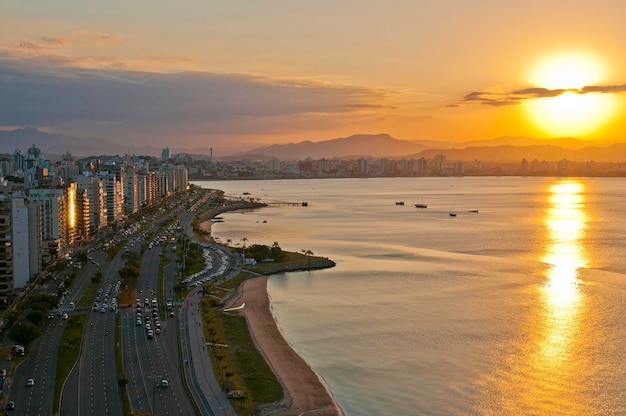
<point x="286" y="203"/>
<point x="270" y="203"/>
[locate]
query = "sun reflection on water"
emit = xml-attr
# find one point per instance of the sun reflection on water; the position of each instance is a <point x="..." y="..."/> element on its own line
<point x="547" y="356"/>
<point x="554" y="363"/>
<point x="565" y="223"/>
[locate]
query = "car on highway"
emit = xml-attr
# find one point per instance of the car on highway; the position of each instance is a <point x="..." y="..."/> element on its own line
<point x="30" y="382"/>
<point x="11" y="405"/>
<point x="164" y="383"/>
<point x="64" y="316"/>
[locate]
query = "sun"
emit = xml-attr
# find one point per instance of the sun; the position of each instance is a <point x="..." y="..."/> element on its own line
<point x="571" y="113"/>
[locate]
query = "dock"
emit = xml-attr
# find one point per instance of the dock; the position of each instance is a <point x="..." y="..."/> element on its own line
<point x="286" y="203"/>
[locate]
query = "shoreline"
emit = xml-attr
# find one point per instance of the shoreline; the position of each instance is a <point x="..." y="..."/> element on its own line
<point x="304" y="391"/>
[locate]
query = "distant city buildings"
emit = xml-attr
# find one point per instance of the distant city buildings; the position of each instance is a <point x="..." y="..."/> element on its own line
<point x="48" y="209"/>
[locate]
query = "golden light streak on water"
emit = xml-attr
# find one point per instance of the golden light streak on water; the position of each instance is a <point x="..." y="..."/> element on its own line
<point x="565" y="253"/>
<point x="546" y="359"/>
<point x="553" y="360"/>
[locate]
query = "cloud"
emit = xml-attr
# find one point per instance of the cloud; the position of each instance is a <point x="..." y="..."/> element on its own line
<point x="81" y="38"/>
<point x="516" y="97"/>
<point x="46" y="92"/>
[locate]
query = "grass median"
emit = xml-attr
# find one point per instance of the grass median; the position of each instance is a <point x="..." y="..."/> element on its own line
<point x="69" y="352"/>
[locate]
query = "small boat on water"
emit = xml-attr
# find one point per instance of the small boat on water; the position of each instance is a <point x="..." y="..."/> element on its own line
<point x="399" y="202"/>
<point x="452" y="214"/>
<point x="421" y="204"/>
<point x="473" y="210"/>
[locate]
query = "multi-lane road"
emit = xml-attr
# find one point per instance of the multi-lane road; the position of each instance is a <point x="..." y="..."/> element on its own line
<point x="166" y="371"/>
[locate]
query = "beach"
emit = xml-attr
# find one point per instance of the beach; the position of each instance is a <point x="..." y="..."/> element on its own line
<point x="304" y="392"/>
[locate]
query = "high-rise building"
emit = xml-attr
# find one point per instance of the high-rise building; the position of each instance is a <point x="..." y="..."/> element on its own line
<point x="131" y="191"/>
<point x="54" y="219"/>
<point x="113" y="184"/>
<point x="97" y="201"/>
<point x="26" y="219"/>
<point x="165" y="154"/>
<point x="6" y="247"/>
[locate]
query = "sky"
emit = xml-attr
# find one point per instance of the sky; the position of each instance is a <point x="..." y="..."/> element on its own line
<point x="237" y="74"/>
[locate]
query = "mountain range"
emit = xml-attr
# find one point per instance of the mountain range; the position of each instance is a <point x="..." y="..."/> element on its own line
<point x="501" y="149"/>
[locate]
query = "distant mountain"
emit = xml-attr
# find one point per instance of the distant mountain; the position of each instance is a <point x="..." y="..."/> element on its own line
<point x="502" y="149"/>
<point x="359" y="145"/>
<point x="566" y="142"/>
<point x="506" y="153"/>
<point x="59" y="144"/>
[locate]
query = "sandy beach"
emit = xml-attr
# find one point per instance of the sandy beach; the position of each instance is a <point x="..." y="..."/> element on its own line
<point x="305" y="394"/>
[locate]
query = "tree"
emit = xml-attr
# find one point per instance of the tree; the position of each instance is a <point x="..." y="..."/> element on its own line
<point x="129" y="272"/>
<point x="24" y="333"/>
<point x="37" y="317"/>
<point x="243" y="247"/>
<point x="308" y="254"/>
<point x="276" y="253"/>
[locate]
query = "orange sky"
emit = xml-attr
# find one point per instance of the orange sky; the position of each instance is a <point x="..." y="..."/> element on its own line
<point x="241" y="74"/>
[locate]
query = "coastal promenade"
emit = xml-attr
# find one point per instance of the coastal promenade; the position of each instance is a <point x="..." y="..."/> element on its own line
<point x="198" y="369"/>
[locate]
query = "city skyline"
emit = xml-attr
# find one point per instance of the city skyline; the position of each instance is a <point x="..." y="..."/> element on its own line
<point x="233" y="76"/>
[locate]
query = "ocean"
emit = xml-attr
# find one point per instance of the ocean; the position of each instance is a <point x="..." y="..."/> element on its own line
<point x="517" y="309"/>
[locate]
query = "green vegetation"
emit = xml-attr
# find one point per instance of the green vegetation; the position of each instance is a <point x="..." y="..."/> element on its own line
<point x="237" y="361"/>
<point x="132" y="268"/>
<point x="119" y="362"/>
<point x="91" y="291"/>
<point x="289" y="261"/>
<point x="193" y="260"/>
<point x="26" y="320"/>
<point x="69" y="351"/>
<point x="262" y="253"/>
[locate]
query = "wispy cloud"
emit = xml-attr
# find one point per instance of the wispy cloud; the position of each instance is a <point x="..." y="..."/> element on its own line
<point x="516" y="97"/>
<point x="81" y="38"/>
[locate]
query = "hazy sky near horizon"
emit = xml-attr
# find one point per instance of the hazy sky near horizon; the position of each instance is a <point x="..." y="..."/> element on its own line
<point x="194" y="73"/>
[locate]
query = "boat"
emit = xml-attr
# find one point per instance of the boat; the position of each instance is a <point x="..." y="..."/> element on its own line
<point x="399" y="202"/>
<point x="421" y="204"/>
<point x="473" y="210"/>
<point x="452" y="214"/>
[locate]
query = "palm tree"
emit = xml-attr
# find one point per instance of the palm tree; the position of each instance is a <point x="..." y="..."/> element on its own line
<point x="243" y="247"/>
<point x="308" y="253"/>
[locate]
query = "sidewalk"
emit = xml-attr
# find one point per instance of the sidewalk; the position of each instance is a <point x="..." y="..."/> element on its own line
<point x="198" y="368"/>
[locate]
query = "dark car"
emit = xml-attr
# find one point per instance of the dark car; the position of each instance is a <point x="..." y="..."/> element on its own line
<point x="11" y="405"/>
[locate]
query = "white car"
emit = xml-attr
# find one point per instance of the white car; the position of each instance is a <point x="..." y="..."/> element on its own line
<point x="30" y="382"/>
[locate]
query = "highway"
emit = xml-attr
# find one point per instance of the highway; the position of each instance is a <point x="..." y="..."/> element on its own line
<point x="41" y="364"/>
<point x="147" y="361"/>
<point x="92" y="386"/>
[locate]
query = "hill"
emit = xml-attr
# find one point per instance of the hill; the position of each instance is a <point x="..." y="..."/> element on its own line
<point x="359" y="145"/>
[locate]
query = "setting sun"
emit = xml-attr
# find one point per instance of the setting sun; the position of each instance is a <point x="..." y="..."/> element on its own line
<point x="571" y="113"/>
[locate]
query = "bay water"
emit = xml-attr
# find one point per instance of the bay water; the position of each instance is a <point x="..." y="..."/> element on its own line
<point x="517" y="309"/>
